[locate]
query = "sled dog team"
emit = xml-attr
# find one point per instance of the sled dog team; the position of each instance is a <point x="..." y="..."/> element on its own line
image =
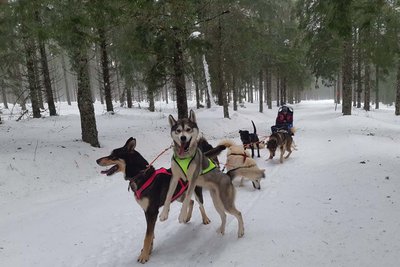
<point x="194" y="166"/>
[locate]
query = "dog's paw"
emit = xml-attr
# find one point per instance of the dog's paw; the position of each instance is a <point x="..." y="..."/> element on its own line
<point x="221" y="230"/>
<point x="163" y="215"/>
<point x="206" y="220"/>
<point x="183" y="217"/>
<point x="240" y="233"/>
<point x="143" y="257"/>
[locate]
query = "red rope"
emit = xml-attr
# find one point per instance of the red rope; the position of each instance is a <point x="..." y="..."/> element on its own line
<point x="159" y="155"/>
<point x="265" y="138"/>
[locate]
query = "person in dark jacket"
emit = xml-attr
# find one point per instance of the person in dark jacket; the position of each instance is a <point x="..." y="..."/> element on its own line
<point x="284" y="120"/>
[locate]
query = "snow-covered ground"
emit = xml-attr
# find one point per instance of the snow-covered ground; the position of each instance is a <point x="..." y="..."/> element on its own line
<point x="334" y="202"/>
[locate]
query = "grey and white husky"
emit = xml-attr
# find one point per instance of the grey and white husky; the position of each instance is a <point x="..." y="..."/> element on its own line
<point x="189" y="163"/>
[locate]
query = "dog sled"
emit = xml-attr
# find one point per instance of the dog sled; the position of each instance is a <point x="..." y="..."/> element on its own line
<point x="284" y="120"/>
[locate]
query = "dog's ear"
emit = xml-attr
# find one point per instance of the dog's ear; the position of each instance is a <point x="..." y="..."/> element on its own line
<point x="131" y="144"/>
<point x="192" y="116"/>
<point x="128" y="141"/>
<point x="171" y="120"/>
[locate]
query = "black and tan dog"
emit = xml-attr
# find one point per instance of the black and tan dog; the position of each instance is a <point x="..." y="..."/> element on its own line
<point x="250" y="140"/>
<point x="150" y="187"/>
<point x="282" y="140"/>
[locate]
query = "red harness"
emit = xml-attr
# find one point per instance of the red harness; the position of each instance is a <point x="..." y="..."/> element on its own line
<point x="242" y="154"/>
<point x="182" y="184"/>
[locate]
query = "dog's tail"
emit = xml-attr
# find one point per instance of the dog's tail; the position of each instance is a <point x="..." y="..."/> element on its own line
<point x="254" y="127"/>
<point x="214" y="152"/>
<point x="227" y="143"/>
<point x="250" y="172"/>
<point x="224" y="144"/>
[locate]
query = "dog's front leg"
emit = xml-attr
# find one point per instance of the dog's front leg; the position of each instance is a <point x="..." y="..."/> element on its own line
<point x="167" y="203"/>
<point x="184" y="210"/>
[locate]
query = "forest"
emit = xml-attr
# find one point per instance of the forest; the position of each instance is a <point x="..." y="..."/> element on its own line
<point x="219" y="52"/>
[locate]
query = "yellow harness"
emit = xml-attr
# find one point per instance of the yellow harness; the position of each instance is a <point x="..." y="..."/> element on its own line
<point x="185" y="163"/>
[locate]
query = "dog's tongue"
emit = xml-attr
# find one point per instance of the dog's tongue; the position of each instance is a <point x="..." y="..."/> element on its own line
<point x="182" y="149"/>
<point x="111" y="170"/>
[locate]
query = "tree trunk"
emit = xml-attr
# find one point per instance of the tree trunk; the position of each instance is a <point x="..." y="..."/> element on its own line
<point x="166" y="93"/>
<point x="338" y="95"/>
<point x="219" y="65"/>
<point x="225" y="103"/>
<point x="268" y="85"/>
<point x="46" y="72"/>
<point x="179" y="81"/>
<point x="235" y="93"/>
<point x="129" y="96"/>
<point x="222" y="94"/>
<point x="278" y="89"/>
<point x="30" y="66"/>
<point x="121" y="95"/>
<point x="197" y="92"/>
<point x="150" y="98"/>
<point x="377" y="100"/>
<point x="397" y="110"/>
<point x="250" y="91"/>
<point x="85" y="103"/>
<point x="47" y="80"/>
<point x="37" y="78"/>
<point x="67" y="94"/>
<point x="196" y="80"/>
<point x="359" y="81"/>
<point x="221" y="78"/>
<point x="4" y="96"/>
<point x="346" y="82"/>
<point x="367" y="87"/>
<point x="208" y="82"/>
<point x="282" y="90"/>
<point x="260" y="89"/>
<point x="105" y="70"/>
<point x="290" y="95"/>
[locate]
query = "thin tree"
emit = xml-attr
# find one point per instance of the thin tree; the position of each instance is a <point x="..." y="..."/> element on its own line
<point x="105" y="69"/>
<point x="397" y="111"/>
<point x="32" y="83"/>
<point x="73" y="34"/>
<point x="260" y="92"/>
<point x="45" y="66"/>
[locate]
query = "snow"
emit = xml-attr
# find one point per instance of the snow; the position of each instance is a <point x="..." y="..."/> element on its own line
<point x="334" y="202"/>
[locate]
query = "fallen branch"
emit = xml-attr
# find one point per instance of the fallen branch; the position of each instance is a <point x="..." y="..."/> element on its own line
<point x="23" y="113"/>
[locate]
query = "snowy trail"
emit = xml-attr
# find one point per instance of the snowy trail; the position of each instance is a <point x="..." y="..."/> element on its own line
<point x="334" y="202"/>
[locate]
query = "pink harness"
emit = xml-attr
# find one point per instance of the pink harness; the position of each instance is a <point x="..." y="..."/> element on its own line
<point x="182" y="184"/>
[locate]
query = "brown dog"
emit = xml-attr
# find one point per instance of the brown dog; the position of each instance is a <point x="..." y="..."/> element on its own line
<point x="282" y="140"/>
